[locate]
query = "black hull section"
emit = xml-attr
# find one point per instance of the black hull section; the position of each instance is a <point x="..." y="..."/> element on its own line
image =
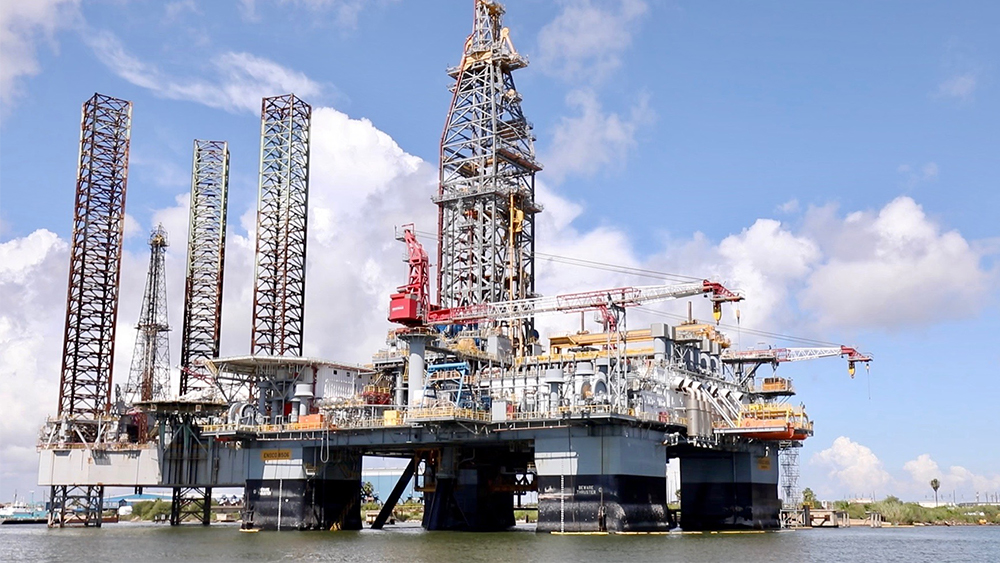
<point x="300" y="504"/>
<point x="469" y="507"/>
<point x="730" y="490"/>
<point x="598" y="503"/>
<point x="729" y="506"/>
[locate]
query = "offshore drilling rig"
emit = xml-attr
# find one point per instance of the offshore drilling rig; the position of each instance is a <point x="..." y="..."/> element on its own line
<point x="465" y="392"/>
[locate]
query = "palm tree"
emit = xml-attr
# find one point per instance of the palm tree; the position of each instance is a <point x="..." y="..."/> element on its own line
<point x="934" y="485"/>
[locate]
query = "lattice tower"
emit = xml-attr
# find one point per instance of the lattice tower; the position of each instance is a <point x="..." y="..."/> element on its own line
<point x="149" y="377"/>
<point x="206" y="257"/>
<point x="486" y="198"/>
<point x="95" y="263"/>
<point x="788" y="462"/>
<point x="282" y="213"/>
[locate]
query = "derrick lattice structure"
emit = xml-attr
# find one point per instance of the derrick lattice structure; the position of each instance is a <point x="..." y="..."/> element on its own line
<point x="206" y="256"/>
<point x="95" y="265"/>
<point x="486" y="196"/>
<point x="282" y="213"/>
<point x="149" y="377"/>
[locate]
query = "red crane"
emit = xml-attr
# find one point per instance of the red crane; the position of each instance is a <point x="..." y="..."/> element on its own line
<point x="409" y="306"/>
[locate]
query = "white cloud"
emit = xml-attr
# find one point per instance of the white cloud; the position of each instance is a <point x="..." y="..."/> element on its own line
<point x="853" y="467"/>
<point x="912" y="177"/>
<point x="584" y="143"/>
<point x="961" y="87"/>
<point x="585" y="42"/>
<point x="894" y="269"/>
<point x="345" y="12"/>
<point x="239" y="81"/>
<point x="33" y="274"/>
<point x="956" y="478"/>
<point x="789" y="207"/>
<point x="174" y="9"/>
<point x="22" y="24"/>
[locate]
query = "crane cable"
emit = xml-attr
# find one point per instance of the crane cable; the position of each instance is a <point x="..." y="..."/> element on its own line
<point x="644" y="272"/>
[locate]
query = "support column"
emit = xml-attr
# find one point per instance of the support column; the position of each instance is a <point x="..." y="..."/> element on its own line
<point x="415" y="370"/>
<point x="303" y="489"/>
<point x="730" y="490"/>
<point x="471" y="489"/>
<point x="76" y="506"/>
<point x="191" y="503"/>
<point x="601" y="478"/>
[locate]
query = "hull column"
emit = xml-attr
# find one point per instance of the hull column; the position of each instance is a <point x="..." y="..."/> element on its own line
<point x="290" y="494"/>
<point x="730" y="490"/>
<point x="469" y="490"/>
<point x="602" y="479"/>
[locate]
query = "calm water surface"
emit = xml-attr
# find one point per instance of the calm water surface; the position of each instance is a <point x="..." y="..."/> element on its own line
<point x="152" y="542"/>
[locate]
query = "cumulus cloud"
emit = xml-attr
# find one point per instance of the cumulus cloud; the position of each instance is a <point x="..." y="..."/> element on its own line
<point x="33" y="274"/>
<point x="586" y="41"/>
<point x="855" y="469"/>
<point x="853" y="466"/>
<point x="894" y="268"/>
<point x="584" y="143"/>
<point x="22" y="25"/>
<point x="239" y="80"/>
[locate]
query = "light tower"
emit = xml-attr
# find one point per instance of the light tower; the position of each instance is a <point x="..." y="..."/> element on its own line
<point x="149" y="377"/>
<point x="92" y="298"/>
<point x="206" y="257"/>
<point x="486" y="196"/>
<point x="282" y="214"/>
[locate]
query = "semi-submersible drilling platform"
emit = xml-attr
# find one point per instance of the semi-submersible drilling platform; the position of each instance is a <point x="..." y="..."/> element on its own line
<point x="465" y="390"/>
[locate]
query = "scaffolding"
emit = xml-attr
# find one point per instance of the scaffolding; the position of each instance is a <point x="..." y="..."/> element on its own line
<point x="282" y="214"/>
<point x="788" y="463"/>
<point x="486" y="196"/>
<point x="206" y="257"/>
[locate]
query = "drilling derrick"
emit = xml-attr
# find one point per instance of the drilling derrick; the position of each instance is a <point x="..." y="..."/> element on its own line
<point x="486" y="196"/>
<point x="149" y="378"/>
<point x="282" y="213"/>
<point x="95" y="266"/>
<point x="206" y="258"/>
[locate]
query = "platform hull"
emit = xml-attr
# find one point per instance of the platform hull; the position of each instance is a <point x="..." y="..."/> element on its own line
<point x="730" y="490"/>
<point x="602" y="479"/>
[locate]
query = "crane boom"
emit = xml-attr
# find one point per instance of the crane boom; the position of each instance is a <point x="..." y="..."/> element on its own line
<point x="576" y="302"/>
<point x="792" y="354"/>
<point x="780" y="355"/>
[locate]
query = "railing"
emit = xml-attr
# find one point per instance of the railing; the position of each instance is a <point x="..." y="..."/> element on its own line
<point x="405" y="418"/>
<point x="446" y="412"/>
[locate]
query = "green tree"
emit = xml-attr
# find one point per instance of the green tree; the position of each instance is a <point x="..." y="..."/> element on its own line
<point x="368" y="492"/>
<point x="808" y="496"/>
<point x="935" y="484"/>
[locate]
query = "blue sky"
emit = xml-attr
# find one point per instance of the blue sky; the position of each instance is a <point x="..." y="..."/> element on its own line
<point x="838" y="162"/>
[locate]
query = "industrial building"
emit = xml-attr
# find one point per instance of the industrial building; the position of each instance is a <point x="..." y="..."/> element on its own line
<point x="481" y="410"/>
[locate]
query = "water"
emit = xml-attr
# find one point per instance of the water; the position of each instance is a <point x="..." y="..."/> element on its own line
<point x="153" y="542"/>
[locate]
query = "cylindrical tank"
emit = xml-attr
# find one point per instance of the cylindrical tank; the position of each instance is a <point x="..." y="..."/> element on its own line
<point x="553" y="375"/>
<point x="304" y="396"/>
<point x="693" y="418"/>
<point x="581" y="379"/>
